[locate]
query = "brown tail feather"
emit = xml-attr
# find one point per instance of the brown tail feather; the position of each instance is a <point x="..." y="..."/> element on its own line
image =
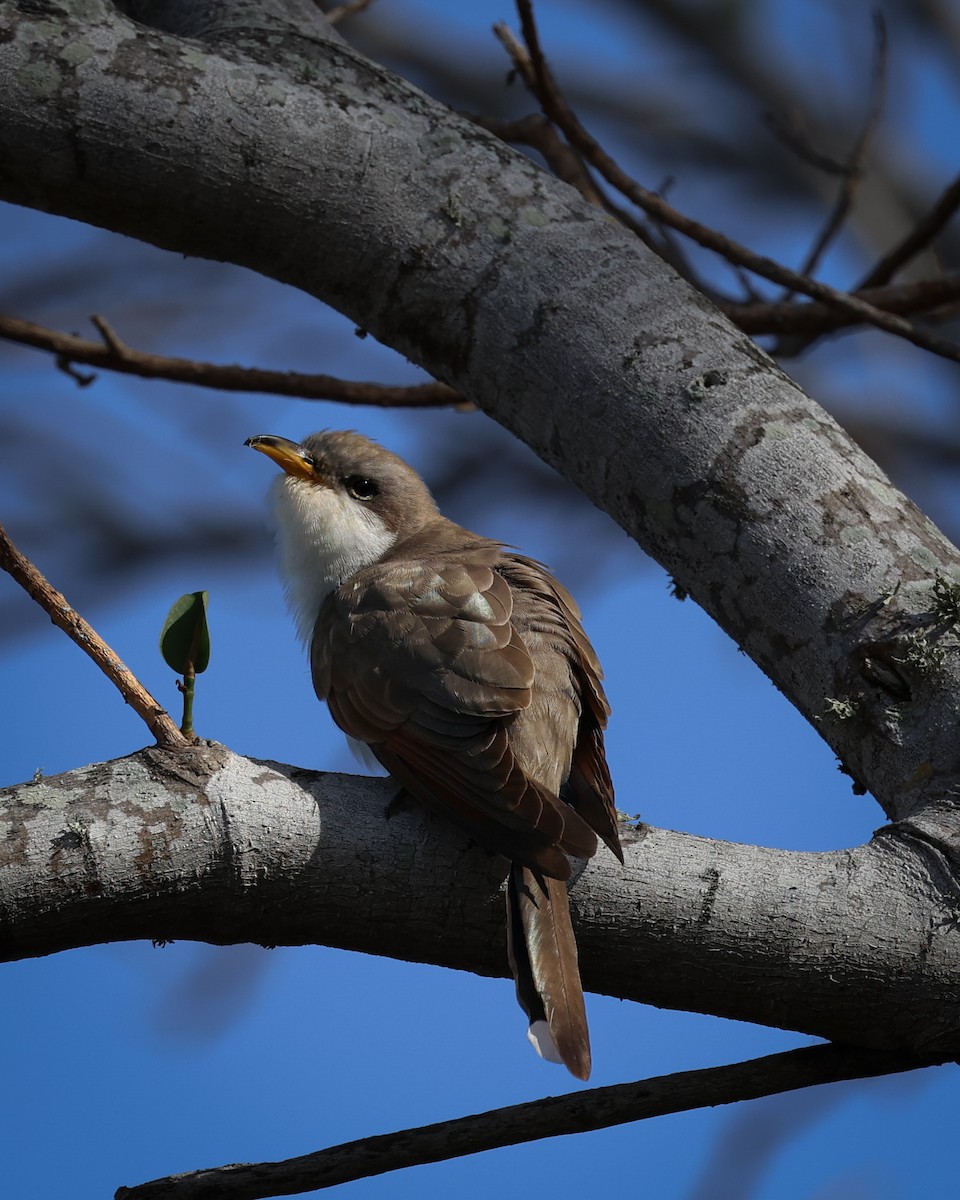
<point x="543" y="958"/>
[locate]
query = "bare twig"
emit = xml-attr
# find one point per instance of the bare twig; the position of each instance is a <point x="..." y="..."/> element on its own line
<point x="115" y="355"/>
<point x="119" y="349"/>
<point x="598" y="1108"/>
<point x="918" y="239"/>
<point x="335" y="15"/>
<point x="793" y="317"/>
<point x="560" y="160"/>
<point x="793" y="133"/>
<point x="557" y="110"/>
<point x="853" y="169"/>
<point x="70" y="621"/>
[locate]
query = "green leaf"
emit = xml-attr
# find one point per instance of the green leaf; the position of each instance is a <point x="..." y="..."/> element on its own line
<point x="185" y="637"/>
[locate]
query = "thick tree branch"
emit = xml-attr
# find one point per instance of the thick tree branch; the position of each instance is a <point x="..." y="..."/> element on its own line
<point x="214" y="847"/>
<point x="596" y="1108"/>
<point x="112" y="354"/>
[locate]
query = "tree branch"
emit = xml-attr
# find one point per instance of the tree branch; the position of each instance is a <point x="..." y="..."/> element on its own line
<point x="78" y="630"/>
<point x="810" y="317"/>
<point x="501" y="281"/>
<point x="556" y="1116"/>
<point x="207" y="845"/>
<point x="113" y="354"/>
<point x="917" y="240"/>
<point x="555" y="107"/>
<point x="852" y="169"/>
<point x="339" y="12"/>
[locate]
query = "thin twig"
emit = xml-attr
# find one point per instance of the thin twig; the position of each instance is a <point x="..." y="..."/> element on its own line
<point x="793" y="133"/>
<point x="853" y="168"/>
<point x="586" y="184"/>
<point x="795" y="317"/>
<point x="597" y="1108"/>
<point x="918" y="239"/>
<point x="119" y="349"/>
<point x="851" y="173"/>
<point x="70" y="621"/>
<point x="557" y="110"/>
<point x="335" y="15"/>
<point x="115" y="355"/>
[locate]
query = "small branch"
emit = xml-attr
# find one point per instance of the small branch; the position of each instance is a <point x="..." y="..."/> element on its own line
<point x="597" y="1108"/>
<point x="567" y="164"/>
<point x="120" y="350"/>
<point x="792" y="132"/>
<point x="70" y="621"/>
<point x="335" y="15"/>
<point x="853" y="169"/>
<point x="537" y="131"/>
<point x="555" y="107"/>
<point x="920" y="237"/>
<point x="792" y="317"/>
<point x="115" y="355"/>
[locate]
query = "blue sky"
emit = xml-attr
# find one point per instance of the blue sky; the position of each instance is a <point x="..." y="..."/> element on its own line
<point x="125" y="1062"/>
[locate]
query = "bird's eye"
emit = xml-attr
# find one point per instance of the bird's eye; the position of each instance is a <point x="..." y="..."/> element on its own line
<point x="360" y="487"/>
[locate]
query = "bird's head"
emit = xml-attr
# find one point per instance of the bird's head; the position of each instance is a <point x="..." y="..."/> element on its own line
<point x="340" y="504"/>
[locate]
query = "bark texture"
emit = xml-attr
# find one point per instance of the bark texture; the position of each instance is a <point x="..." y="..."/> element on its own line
<point x="858" y="946"/>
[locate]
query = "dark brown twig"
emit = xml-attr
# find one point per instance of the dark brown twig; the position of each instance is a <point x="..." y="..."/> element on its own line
<point x="115" y="355"/>
<point x="597" y="1108"/>
<point x="111" y="338"/>
<point x="793" y="133"/>
<point x="562" y="155"/>
<point x="556" y="109"/>
<point x="917" y="240"/>
<point x="804" y="317"/>
<point x="853" y="169"/>
<point x="561" y="158"/>
<point x="335" y="15"/>
<point x="89" y="641"/>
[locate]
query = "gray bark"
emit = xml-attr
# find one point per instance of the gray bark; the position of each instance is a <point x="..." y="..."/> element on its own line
<point x="289" y="153"/>
<point x="858" y="946"/>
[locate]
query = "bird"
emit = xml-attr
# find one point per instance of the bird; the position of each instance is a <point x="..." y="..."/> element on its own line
<point x="464" y="668"/>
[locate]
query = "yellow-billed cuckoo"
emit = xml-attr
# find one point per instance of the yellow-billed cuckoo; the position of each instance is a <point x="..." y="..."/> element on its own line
<point x="466" y="671"/>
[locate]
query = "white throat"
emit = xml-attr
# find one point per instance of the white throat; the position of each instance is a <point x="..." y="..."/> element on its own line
<point x="324" y="537"/>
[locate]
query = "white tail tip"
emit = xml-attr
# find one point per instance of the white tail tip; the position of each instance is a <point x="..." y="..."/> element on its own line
<point x="542" y="1041"/>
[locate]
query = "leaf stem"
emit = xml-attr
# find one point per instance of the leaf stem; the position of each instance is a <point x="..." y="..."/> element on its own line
<point x="189" y="678"/>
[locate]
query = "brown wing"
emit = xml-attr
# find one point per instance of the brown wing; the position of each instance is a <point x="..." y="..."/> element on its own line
<point x="422" y="660"/>
<point x="549" y="613"/>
